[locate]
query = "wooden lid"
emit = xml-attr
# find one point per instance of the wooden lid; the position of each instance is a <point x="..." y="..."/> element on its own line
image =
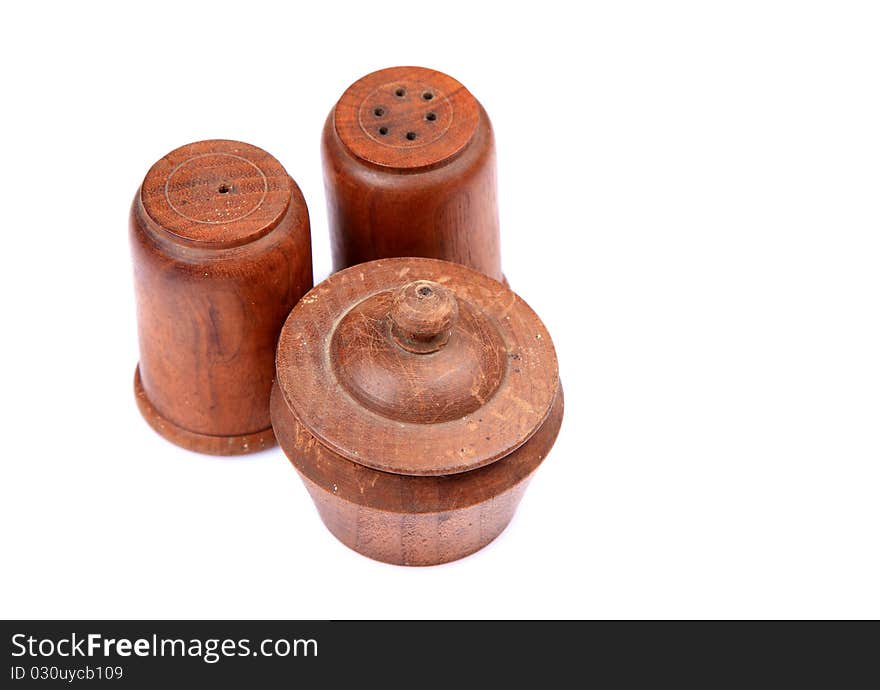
<point x="217" y="193"/>
<point x="406" y="117"/>
<point x="417" y="366"/>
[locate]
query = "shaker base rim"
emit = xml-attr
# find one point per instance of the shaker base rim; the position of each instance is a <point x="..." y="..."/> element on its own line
<point x="242" y="444"/>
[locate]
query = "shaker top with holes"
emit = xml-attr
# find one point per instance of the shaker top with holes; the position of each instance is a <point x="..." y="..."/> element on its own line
<point x="435" y="368"/>
<point x="216" y="193"/>
<point x="406" y="117"/>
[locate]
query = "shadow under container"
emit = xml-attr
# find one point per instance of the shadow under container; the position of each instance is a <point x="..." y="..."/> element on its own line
<point x="409" y="170"/>
<point x="221" y="250"/>
<point x="416" y="398"/>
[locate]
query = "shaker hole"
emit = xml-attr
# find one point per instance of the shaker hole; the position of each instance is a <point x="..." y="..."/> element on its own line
<point x="383" y="131"/>
<point x="411" y="136"/>
<point x="378" y="112"/>
<point x="427" y="95"/>
<point x="223" y="189"/>
<point x="430" y="117"/>
<point x="400" y="92"/>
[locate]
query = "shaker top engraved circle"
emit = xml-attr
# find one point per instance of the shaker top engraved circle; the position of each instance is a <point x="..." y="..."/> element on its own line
<point x="414" y="123"/>
<point x="216" y="193"/>
<point x="406" y="118"/>
<point x="199" y="188"/>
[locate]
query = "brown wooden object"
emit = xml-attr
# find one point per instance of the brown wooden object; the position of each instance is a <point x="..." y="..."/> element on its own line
<point x="409" y="170"/>
<point x="416" y="398"/>
<point x="221" y="250"/>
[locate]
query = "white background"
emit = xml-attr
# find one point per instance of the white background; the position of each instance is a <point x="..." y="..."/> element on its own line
<point x="689" y="199"/>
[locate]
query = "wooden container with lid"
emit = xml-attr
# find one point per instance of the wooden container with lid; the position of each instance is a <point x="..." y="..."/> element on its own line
<point x="221" y="250"/>
<point x="409" y="170"/>
<point x="415" y="397"/>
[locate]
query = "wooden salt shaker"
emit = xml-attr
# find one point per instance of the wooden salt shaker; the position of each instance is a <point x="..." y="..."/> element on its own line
<point x="221" y="250"/>
<point x="416" y="398"/>
<point x="409" y="170"/>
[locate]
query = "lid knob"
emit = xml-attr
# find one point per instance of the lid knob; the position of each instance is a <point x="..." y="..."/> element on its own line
<point x="422" y="316"/>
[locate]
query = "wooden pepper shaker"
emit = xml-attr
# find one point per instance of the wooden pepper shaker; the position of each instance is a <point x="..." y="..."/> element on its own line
<point x="416" y="398"/>
<point x="409" y="170"/>
<point x="221" y="250"/>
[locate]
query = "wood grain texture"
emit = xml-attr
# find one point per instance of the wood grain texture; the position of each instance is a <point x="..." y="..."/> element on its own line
<point x="415" y="397"/>
<point x="219" y="234"/>
<point x="432" y="195"/>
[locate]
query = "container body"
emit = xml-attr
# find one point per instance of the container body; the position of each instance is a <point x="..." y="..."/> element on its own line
<point x="389" y="197"/>
<point x="416" y="539"/>
<point x="412" y="520"/>
<point x="209" y="317"/>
